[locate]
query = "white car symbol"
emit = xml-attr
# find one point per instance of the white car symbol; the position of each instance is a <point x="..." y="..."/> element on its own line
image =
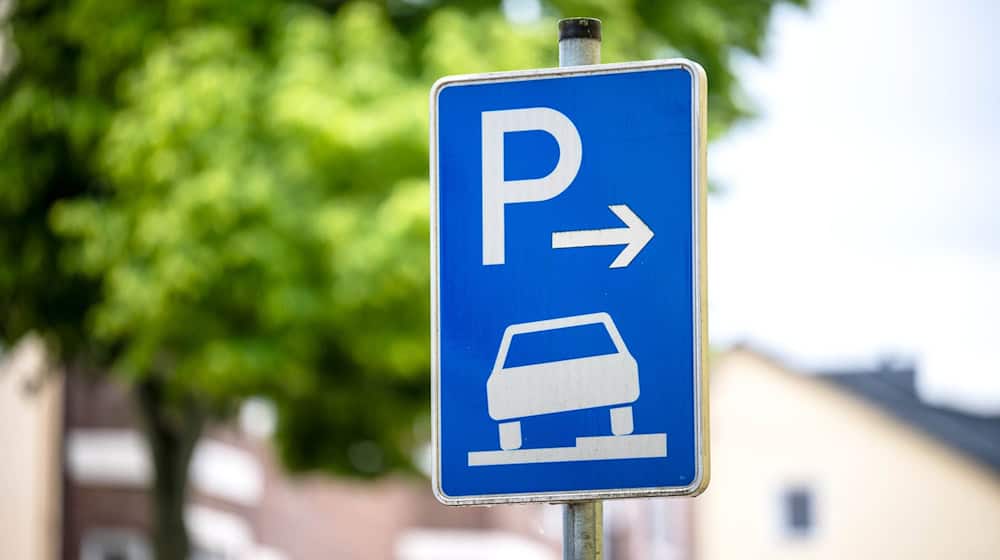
<point x="564" y="385"/>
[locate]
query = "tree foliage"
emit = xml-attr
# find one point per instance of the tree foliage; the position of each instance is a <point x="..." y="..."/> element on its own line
<point x="220" y="198"/>
<point x="231" y="197"/>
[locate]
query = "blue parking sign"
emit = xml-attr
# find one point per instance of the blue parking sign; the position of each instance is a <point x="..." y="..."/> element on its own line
<point x="568" y="283"/>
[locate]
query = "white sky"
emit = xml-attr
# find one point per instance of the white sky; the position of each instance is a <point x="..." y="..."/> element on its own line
<point x="861" y="217"/>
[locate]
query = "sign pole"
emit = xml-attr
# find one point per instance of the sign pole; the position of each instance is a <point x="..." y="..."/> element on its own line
<point x="517" y="266"/>
<point x="583" y="522"/>
<point x="583" y="529"/>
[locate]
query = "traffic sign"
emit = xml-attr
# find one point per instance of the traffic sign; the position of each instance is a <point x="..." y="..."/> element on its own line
<point x="568" y="283"/>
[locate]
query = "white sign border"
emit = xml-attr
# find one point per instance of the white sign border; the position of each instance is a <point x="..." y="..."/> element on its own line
<point x="699" y="189"/>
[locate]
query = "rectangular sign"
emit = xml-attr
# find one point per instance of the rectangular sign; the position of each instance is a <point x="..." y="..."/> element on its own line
<point x="568" y="283"/>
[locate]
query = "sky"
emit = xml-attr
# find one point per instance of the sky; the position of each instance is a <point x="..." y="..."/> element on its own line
<point x="860" y="215"/>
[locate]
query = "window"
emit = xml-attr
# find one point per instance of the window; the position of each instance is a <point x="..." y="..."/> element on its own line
<point x="565" y="343"/>
<point x="798" y="515"/>
<point x="114" y="544"/>
<point x="203" y="554"/>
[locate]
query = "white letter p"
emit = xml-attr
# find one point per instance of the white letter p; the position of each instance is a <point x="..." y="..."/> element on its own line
<point x="497" y="192"/>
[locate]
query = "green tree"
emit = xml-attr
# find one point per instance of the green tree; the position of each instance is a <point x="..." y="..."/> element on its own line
<point x="214" y="199"/>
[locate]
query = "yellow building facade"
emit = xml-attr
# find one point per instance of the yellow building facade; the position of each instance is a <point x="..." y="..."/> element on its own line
<point x="808" y="467"/>
<point x="30" y="458"/>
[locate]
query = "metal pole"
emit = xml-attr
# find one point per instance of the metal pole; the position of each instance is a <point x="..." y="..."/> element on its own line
<point x="579" y="41"/>
<point x="583" y="522"/>
<point x="583" y="531"/>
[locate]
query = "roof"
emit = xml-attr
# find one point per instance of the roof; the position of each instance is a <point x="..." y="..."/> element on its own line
<point x="894" y="391"/>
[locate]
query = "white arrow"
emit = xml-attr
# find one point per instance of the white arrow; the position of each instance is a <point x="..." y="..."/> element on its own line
<point x="634" y="236"/>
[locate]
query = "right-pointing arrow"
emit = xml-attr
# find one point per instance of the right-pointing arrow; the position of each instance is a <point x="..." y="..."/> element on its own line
<point x="634" y="236"/>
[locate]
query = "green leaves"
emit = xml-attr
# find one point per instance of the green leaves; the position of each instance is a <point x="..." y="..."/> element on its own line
<point x="232" y="196"/>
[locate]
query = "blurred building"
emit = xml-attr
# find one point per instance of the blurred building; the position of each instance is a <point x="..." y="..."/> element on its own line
<point x="76" y="471"/>
<point x="30" y="468"/>
<point x="243" y="506"/>
<point x="843" y="465"/>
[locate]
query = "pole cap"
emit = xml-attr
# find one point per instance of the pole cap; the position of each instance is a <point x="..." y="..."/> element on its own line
<point x="580" y="28"/>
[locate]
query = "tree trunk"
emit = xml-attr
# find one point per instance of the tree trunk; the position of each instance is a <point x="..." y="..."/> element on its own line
<point x="172" y="427"/>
